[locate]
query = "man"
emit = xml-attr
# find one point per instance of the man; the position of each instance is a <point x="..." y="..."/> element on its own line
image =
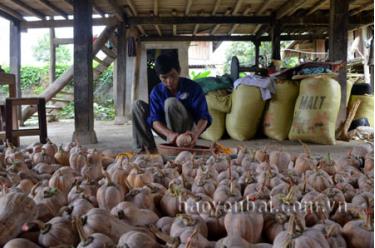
<point x="177" y="105"/>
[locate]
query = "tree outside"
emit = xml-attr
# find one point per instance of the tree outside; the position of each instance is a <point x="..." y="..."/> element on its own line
<point x="42" y="54"/>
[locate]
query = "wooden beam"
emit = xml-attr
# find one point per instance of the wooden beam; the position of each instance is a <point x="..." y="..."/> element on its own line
<point x="316" y="6"/>
<point x="235" y="26"/>
<point x="156" y="13"/>
<point x="196" y="27"/>
<point x="8" y="17"/>
<point x="109" y="21"/>
<point x="135" y="13"/>
<point x="217" y="26"/>
<point x="216" y="6"/>
<point x="83" y="73"/>
<point x="275" y="39"/>
<point x="135" y="20"/>
<point x="99" y="10"/>
<point x="119" y="80"/>
<point x="188" y="6"/>
<point x="338" y="46"/>
<point x="52" y="54"/>
<point x="11" y="14"/>
<point x="119" y="14"/>
<point x="63" y="41"/>
<point x="174" y="27"/>
<point x="257" y="52"/>
<point x="237" y="7"/>
<point x="54" y="8"/>
<point x="261" y="11"/>
<point x="288" y="7"/>
<point x="366" y="6"/>
<point x="231" y="38"/>
<point x="29" y="9"/>
<point x="15" y="54"/>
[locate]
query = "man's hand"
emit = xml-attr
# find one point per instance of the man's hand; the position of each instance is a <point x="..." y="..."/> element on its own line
<point x="194" y="137"/>
<point x="171" y="137"/>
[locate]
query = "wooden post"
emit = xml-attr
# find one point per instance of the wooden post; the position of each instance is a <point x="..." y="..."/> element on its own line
<point x="338" y="46"/>
<point x="52" y="53"/>
<point x="15" y="59"/>
<point x="257" y="47"/>
<point x="83" y="76"/>
<point x="275" y="36"/>
<point x="120" y="75"/>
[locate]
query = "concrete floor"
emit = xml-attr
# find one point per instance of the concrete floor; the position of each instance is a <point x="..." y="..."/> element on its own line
<point x="118" y="138"/>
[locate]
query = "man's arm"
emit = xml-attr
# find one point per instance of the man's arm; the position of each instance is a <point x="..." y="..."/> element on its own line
<point x="162" y="129"/>
<point x="198" y="130"/>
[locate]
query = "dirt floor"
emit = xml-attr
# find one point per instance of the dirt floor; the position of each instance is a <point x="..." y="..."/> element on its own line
<point x="119" y="138"/>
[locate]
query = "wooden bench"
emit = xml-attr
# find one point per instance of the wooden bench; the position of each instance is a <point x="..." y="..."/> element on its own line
<point x="10" y="80"/>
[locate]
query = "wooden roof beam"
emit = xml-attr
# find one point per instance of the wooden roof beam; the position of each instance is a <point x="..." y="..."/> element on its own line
<point x="235" y="26"/>
<point x="135" y="13"/>
<point x="29" y="9"/>
<point x="231" y="37"/>
<point x="188" y="7"/>
<point x="135" y="20"/>
<point x="98" y="10"/>
<point x="260" y="11"/>
<point x="156" y="13"/>
<point x="117" y="10"/>
<point x="291" y="5"/>
<point x="217" y="26"/>
<point x="174" y="27"/>
<point x="367" y="6"/>
<point x="54" y="8"/>
<point x="10" y="13"/>
<point x="196" y="27"/>
<point x="316" y="6"/>
<point x="237" y="7"/>
<point x="216" y="7"/>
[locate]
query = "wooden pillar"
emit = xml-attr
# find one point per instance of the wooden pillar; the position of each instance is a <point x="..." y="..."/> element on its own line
<point x="52" y="53"/>
<point x="15" y="54"/>
<point x="338" y="46"/>
<point x="83" y="76"/>
<point x="275" y="36"/>
<point x="257" y="47"/>
<point x="120" y="75"/>
<point x="366" y="52"/>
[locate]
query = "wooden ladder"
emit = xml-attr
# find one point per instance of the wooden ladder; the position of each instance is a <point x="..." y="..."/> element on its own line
<point x="56" y="102"/>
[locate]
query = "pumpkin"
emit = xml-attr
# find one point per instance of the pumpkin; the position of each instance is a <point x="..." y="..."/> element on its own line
<point x="77" y="208"/>
<point x="247" y="225"/>
<point x="91" y="241"/>
<point x="77" y="160"/>
<point x="359" y="233"/>
<point x="297" y="236"/>
<point x="62" y="157"/>
<point x="109" y="194"/>
<point x="58" y="231"/>
<point x="129" y="213"/>
<point x="50" y="148"/>
<point x="62" y="179"/>
<point x="15" y="209"/>
<point x="139" y="178"/>
<point x="20" y="243"/>
<point x="135" y="239"/>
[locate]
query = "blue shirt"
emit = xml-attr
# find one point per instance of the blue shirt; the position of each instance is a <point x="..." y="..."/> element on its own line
<point x="189" y="93"/>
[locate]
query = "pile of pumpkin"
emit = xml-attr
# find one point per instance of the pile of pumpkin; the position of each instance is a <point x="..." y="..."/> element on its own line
<point x="77" y="197"/>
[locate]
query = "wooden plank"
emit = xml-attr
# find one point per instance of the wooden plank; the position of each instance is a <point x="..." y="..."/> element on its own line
<point x="63" y="41"/>
<point x="54" y="8"/>
<point x="275" y="39"/>
<point x="231" y="38"/>
<point x="109" y="52"/>
<point x="134" y="20"/>
<point x="217" y="26"/>
<point x="288" y="7"/>
<point x="26" y="132"/>
<point x="235" y="26"/>
<point x="120" y="79"/>
<point x="98" y="10"/>
<point x="83" y="73"/>
<point x="316" y="6"/>
<point x="52" y="54"/>
<point x="24" y="101"/>
<point x="15" y="54"/>
<point x="109" y="21"/>
<point x="216" y="6"/>
<point x="29" y="9"/>
<point x="42" y="120"/>
<point x="174" y="27"/>
<point x="156" y="13"/>
<point x="119" y="14"/>
<point x="338" y="45"/>
<point x="367" y="6"/>
<point x="261" y="11"/>
<point x="188" y="6"/>
<point x="8" y="17"/>
<point x="11" y="13"/>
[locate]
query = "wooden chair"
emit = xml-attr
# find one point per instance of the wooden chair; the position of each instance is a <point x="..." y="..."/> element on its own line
<point x="9" y="114"/>
<point x="10" y="80"/>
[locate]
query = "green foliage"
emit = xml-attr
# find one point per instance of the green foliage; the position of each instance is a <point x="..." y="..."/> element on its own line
<point x="106" y="77"/>
<point x="104" y="111"/>
<point x="67" y="112"/>
<point x="194" y="75"/>
<point x="290" y="62"/>
<point x="41" y="51"/>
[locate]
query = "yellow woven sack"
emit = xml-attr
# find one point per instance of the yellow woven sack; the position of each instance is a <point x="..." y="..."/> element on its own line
<point x="217" y="128"/>
<point x="247" y="108"/>
<point x="316" y="111"/>
<point x="279" y="114"/>
<point x="219" y="100"/>
<point x="365" y="109"/>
